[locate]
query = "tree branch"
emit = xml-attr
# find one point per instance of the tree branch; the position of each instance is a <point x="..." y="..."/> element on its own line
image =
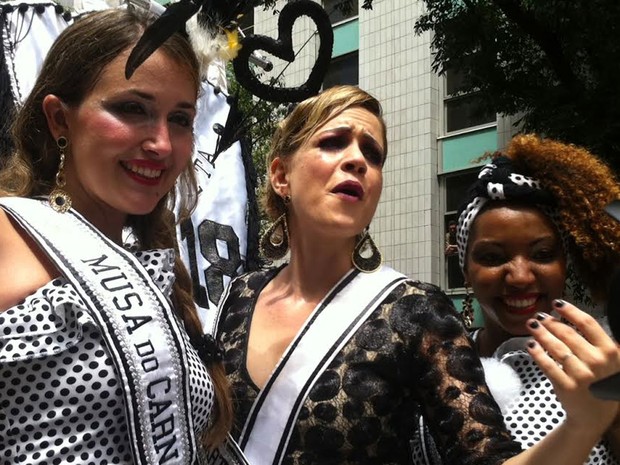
<point x="547" y="41"/>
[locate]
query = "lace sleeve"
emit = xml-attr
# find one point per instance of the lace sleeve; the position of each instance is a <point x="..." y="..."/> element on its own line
<point x="463" y="418"/>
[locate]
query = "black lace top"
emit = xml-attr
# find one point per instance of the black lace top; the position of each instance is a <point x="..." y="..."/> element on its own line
<point x="411" y="351"/>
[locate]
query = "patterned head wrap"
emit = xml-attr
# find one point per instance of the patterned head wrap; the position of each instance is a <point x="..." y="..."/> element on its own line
<point x="498" y="181"/>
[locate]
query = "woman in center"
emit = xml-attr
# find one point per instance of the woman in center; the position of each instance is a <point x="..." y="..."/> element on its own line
<point x="330" y="354"/>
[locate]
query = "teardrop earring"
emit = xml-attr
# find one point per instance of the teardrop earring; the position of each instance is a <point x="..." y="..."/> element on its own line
<point x="274" y="242"/>
<point x="366" y="256"/>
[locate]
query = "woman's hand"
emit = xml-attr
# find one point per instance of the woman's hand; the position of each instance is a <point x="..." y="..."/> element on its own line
<point x="573" y="360"/>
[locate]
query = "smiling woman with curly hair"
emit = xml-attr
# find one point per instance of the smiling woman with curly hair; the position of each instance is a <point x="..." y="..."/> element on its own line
<point x="533" y="231"/>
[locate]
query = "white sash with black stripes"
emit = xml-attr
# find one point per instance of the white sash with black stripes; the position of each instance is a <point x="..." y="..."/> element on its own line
<point x="331" y="325"/>
<point x="137" y="322"/>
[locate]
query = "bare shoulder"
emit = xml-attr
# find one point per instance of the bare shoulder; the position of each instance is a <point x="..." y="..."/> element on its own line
<point x="23" y="266"/>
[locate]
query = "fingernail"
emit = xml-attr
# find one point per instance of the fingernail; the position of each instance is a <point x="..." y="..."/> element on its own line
<point x="540" y="316"/>
<point x="531" y="344"/>
<point x="558" y="303"/>
<point x="534" y="324"/>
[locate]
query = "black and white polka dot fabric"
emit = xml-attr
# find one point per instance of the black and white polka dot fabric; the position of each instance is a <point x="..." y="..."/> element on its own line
<point x="536" y="411"/>
<point x="61" y="401"/>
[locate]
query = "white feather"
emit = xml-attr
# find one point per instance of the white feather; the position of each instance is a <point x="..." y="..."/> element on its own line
<point x="205" y="43"/>
<point x="210" y="46"/>
<point x="503" y="382"/>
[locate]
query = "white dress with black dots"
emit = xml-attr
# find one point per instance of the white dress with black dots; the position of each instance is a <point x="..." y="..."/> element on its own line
<point x="535" y="411"/>
<point x="61" y="401"/>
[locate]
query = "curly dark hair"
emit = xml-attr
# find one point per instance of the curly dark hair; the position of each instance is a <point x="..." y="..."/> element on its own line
<point x="582" y="186"/>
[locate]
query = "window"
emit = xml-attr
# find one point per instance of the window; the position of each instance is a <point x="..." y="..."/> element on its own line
<point x="344" y="65"/>
<point x="339" y="10"/>
<point x="463" y="110"/>
<point x="343" y="70"/>
<point x="456" y="186"/>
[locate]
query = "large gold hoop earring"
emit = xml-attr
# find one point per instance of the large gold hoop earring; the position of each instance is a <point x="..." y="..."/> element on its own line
<point x="366" y="256"/>
<point x="58" y="199"/>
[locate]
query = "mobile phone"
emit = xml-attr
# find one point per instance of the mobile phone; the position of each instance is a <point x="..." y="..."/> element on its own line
<point x="609" y="388"/>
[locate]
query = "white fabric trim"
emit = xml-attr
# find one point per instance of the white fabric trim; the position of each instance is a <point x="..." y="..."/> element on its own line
<point x="27" y="38"/>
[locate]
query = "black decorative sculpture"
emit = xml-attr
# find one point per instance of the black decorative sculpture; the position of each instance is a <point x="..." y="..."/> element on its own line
<point x="282" y="47"/>
<point x="219" y="14"/>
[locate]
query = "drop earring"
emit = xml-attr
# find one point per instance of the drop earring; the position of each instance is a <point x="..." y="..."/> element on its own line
<point x="274" y="242"/>
<point x="366" y="257"/>
<point x="58" y="199"/>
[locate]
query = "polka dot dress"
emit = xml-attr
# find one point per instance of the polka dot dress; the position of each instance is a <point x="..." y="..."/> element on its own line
<point x="61" y="401"/>
<point x="536" y="411"/>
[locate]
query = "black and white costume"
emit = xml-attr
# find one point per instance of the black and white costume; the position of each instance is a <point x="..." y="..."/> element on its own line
<point x="532" y="411"/>
<point x="62" y="396"/>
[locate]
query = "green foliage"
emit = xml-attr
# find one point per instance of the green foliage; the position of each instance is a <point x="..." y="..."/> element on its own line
<point x="260" y="121"/>
<point x="555" y="63"/>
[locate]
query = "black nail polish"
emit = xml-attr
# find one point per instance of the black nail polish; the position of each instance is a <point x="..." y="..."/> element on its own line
<point x="558" y="303"/>
<point x="531" y="344"/>
<point x="534" y="324"/>
<point x="540" y="316"/>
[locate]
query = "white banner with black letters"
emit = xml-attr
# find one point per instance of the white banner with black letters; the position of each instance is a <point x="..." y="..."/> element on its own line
<point x="142" y="334"/>
<point x="214" y="242"/>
